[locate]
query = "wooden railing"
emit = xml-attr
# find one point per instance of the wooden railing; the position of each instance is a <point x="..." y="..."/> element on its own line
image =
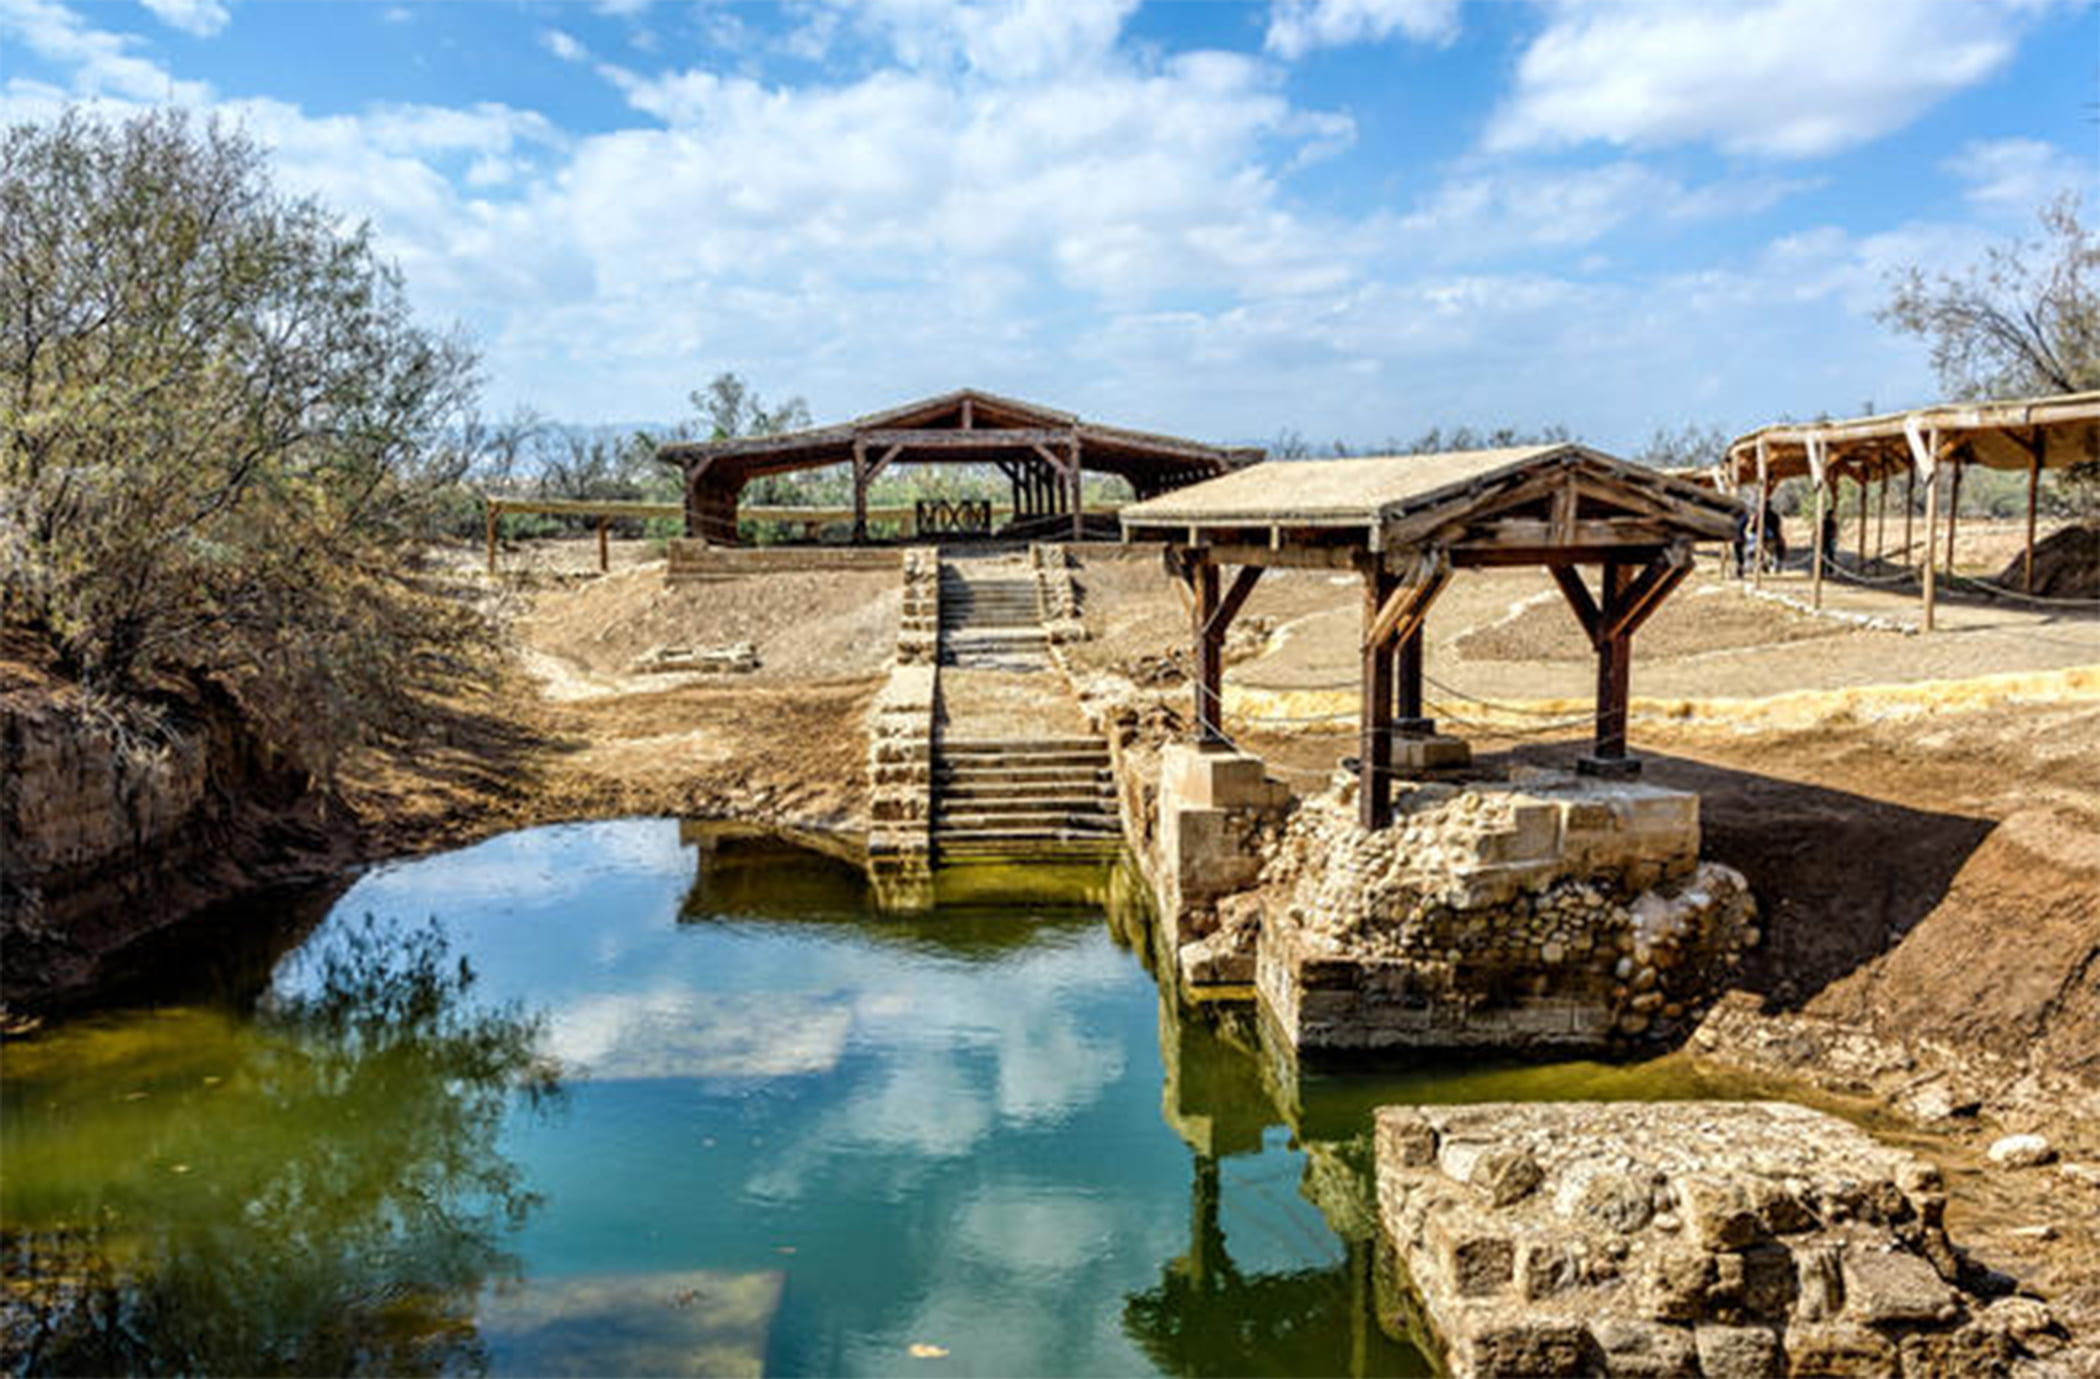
<point x="929" y="517"/>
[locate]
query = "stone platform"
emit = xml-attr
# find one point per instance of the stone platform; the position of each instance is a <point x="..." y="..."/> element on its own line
<point x="1550" y="910"/>
<point x="1735" y="1241"/>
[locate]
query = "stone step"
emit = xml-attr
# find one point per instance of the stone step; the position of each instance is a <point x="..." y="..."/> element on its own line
<point x="1021" y="848"/>
<point x="1022" y="746"/>
<point x="1021" y="633"/>
<point x="1040" y="785"/>
<point x="1045" y="825"/>
<point x="1082" y="791"/>
<point x="1023" y="806"/>
<point x="1077" y="760"/>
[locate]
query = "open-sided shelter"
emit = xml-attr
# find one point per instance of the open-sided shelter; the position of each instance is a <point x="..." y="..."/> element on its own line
<point x="1406" y="523"/>
<point x="1929" y="445"/>
<point x="1041" y="452"/>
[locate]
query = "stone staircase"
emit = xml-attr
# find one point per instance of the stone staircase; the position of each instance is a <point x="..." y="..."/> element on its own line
<point x="1013" y="798"/>
<point x="991" y="621"/>
<point x="1014" y="782"/>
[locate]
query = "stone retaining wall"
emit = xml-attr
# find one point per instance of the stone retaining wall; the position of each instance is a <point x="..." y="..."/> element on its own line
<point x="688" y="558"/>
<point x="1057" y="596"/>
<point x="1556" y="911"/>
<point x="919" y="624"/>
<point x="900" y="787"/>
<point x="900" y="745"/>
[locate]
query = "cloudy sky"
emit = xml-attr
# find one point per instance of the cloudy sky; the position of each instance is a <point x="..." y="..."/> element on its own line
<point x="1355" y="218"/>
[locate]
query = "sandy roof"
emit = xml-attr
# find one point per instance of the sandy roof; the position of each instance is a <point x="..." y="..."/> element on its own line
<point x="1339" y="492"/>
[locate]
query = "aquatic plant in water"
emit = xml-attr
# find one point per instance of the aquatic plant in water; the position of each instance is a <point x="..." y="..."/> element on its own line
<point x="325" y="1196"/>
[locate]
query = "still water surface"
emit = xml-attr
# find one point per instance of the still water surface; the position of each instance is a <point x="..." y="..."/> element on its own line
<point x="635" y="1098"/>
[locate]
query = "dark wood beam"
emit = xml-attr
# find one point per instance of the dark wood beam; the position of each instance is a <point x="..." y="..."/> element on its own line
<point x="1243" y="582"/>
<point x="1642" y="595"/>
<point x="1578" y="596"/>
<point x="983" y="438"/>
<point x="860" y="489"/>
<point x="1374" y="786"/>
<point x="1210" y="655"/>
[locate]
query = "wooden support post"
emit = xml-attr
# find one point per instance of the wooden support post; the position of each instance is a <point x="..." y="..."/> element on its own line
<point x="1953" y="509"/>
<point x="1614" y="677"/>
<point x="492" y="538"/>
<point x="1412" y="719"/>
<point x="1210" y="656"/>
<point x="2035" y="457"/>
<point x="1932" y="522"/>
<point x="1078" y="498"/>
<point x="1374" y="790"/>
<point x="1859" y="483"/>
<point x="860" y="490"/>
<point x="1815" y="565"/>
<point x="1764" y="503"/>
<point x="604" y="550"/>
<point x="1910" y="503"/>
<point x="1881" y="517"/>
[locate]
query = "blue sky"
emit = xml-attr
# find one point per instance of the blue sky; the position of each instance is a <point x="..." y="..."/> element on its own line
<point x="1351" y="218"/>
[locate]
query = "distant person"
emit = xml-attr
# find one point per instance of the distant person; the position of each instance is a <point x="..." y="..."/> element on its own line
<point x="1773" y="556"/>
<point x="1827" y="535"/>
<point x="1739" y="544"/>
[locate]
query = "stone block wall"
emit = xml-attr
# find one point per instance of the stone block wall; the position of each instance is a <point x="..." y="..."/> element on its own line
<point x="1057" y="595"/>
<point x="1553" y="911"/>
<point x="1218" y="816"/>
<point x="919" y="624"/>
<point x="1730" y="1240"/>
<point x="689" y="558"/>
<point x="900" y="787"/>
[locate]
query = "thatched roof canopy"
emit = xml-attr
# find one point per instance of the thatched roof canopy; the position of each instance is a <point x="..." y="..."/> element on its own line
<point x="2015" y="433"/>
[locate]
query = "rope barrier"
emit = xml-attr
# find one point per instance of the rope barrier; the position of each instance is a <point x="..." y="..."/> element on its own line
<point x="2000" y="591"/>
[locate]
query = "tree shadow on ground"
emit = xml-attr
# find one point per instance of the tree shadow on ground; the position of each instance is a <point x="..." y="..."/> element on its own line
<point x="1839" y="878"/>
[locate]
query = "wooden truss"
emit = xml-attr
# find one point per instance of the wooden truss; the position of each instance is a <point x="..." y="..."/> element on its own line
<point x="1561" y="507"/>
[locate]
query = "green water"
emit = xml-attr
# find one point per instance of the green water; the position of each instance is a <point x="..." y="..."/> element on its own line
<point x="631" y="1098"/>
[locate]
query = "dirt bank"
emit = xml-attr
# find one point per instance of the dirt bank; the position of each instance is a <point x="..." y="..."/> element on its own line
<point x="562" y="735"/>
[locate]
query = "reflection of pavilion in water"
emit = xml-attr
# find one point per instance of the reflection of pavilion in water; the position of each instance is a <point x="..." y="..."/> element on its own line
<point x="1209" y="1315"/>
<point x="757" y="872"/>
<point x="1212" y="1312"/>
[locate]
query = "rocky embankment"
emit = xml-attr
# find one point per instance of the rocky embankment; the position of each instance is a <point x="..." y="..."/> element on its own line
<point x="1730" y="1240"/>
<point x="115" y="824"/>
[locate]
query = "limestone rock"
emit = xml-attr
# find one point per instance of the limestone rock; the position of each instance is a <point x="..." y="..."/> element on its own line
<point x="1884" y="1286"/>
<point x="1805" y="1246"/>
<point x="2022" y="1151"/>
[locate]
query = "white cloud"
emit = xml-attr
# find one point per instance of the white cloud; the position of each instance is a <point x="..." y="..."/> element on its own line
<point x="1781" y="78"/>
<point x="1296" y="27"/>
<point x="200" y="17"/>
<point x="1494" y="208"/>
<point x="1025" y="200"/>
<point x="2012" y="178"/>
<point x="563" y="46"/>
<point x="102" y="63"/>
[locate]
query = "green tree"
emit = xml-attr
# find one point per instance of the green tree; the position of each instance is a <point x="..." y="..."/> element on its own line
<point x="727" y="408"/>
<point x="224" y="437"/>
<point x="2023" y="322"/>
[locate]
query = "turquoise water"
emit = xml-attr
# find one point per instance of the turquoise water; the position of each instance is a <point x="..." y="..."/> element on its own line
<point x="630" y="1098"/>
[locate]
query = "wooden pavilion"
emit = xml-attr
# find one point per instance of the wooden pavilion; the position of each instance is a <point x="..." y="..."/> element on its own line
<point x="1928" y="445"/>
<point x="1041" y="452"/>
<point x="1406" y="524"/>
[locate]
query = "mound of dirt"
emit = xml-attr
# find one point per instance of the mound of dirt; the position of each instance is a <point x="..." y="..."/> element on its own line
<point x="806" y="625"/>
<point x="1698" y="619"/>
<point x="2066" y="564"/>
